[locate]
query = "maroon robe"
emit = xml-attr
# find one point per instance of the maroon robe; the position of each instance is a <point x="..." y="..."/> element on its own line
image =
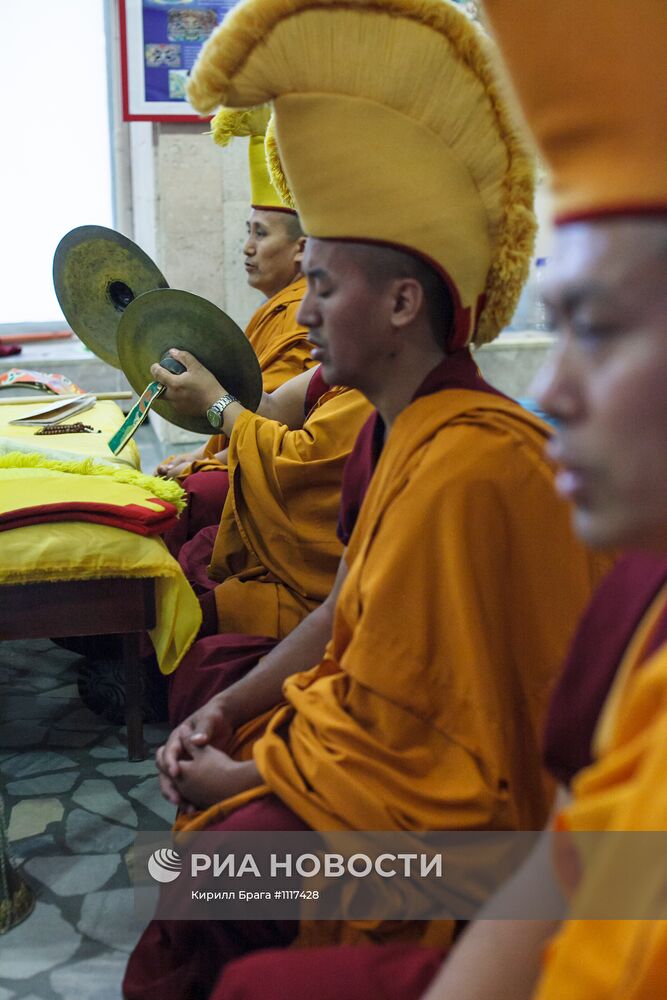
<point x="181" y="959"/>
<point x="456" y="371"/>
<point x="387" y="972"/>
<point x="604" y="633"/>
<point x="206" y="494"/>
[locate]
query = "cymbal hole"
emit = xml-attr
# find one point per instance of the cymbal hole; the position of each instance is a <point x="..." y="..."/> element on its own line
<point x="120" y="294"/>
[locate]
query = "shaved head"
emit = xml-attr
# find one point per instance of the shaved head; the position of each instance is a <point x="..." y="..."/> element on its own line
<point x="382" y="264"/>
<point x="292" y="226"/>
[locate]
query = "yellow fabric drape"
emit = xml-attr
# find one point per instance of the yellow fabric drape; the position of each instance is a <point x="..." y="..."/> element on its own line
<point x="276" y="552"/>
<point x="25" y="485"/>
<point x="282" y="351"/>
<point x="77" y="550"/>
<point x="81" y="466"/>
<point x="622" y="790"/>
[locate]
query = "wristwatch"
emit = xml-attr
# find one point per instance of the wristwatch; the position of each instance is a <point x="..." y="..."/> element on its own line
<point x="216" y="410"/>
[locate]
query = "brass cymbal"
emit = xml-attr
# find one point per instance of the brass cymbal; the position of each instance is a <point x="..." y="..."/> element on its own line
<point x="97" y="272"/>
<point x="165" y="318"/>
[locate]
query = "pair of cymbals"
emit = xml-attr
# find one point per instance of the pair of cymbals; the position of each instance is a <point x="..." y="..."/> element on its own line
<point x="119" y="304"/>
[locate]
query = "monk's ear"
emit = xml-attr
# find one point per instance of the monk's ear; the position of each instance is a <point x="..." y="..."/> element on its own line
<point x="408" y="299"/>
<point x="300" y="247"/>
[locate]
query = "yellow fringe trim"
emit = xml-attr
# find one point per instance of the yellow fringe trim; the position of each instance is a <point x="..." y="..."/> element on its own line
<point x="274" y="164"/>
<point x="163" y="489"/>
<point x="47" y="573"/>
<point x="250" y="23"/>
<point x="229" y="123"/>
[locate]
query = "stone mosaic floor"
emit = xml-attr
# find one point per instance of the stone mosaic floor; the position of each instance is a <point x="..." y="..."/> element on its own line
<point x="73" y="805"/>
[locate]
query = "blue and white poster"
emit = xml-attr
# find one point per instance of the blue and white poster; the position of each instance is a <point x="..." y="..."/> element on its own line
<point x="160" y="42"/>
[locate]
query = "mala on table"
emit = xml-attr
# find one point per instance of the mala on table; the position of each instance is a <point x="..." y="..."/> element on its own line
<point x="77" y="428"/>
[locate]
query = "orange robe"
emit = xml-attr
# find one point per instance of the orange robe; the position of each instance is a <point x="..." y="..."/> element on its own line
<point x="276" y="552"/>
<point x="282" y="350"/>
<point x="623" y="790"/>
<point x="465" y="583"/>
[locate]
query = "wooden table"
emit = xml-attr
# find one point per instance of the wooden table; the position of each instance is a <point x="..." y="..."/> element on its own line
<point x="123" y="606"/>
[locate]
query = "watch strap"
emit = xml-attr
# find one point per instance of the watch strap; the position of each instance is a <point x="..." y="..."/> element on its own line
<point x="218" y="408"/>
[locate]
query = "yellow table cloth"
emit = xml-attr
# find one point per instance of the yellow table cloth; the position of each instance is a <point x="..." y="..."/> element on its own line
<point x="52" y="552"/>
<point x="105" y="416"/>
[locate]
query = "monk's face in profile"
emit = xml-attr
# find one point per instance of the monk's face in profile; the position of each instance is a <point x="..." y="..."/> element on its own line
<point x="347" y="313"/>
<point x="606" y="382"/>
<point x="272" y="251"/>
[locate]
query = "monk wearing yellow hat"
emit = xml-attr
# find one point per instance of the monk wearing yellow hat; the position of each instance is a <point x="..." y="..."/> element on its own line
<point x="272" y="251"/>
<point x="270" y="554"/>
<point x="461" y="581"/>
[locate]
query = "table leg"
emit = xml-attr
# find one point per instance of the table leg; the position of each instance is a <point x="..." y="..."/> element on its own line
<point x="133" y="708"/>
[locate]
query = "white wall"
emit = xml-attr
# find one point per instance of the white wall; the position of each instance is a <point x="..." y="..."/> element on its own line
<point x="55" y="169"/>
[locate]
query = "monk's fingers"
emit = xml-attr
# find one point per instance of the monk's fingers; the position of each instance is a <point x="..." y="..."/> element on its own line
<point x="174" y="752"/>
<point x="211" y="725"/>
<point x="192" y="748"/>
<point x="188" y="360"/>
<point x="171" y="471"/>
<point x="167" y="463"/>
<point x="183" y="783"/>
<point x="166" y="765"/>
<point x="159" y="758"/>
<point x="202" y="730"/>
<point x="169" y="790"/>
<point x="200" y="738"/>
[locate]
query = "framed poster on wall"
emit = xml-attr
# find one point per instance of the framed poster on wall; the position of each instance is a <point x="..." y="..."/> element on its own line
<point x="160" y="41"/>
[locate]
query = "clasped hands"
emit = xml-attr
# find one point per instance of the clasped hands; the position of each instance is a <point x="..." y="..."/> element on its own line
<point x="193" y="772"/>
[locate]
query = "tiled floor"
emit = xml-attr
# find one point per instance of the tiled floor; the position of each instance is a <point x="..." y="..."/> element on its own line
<point x="73" y="805"/>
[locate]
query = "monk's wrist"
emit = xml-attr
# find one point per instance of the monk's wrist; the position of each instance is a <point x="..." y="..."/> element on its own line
<point x="230" y="416"/>
<point x="247" y="776"/>
<point x="230" y="708"/>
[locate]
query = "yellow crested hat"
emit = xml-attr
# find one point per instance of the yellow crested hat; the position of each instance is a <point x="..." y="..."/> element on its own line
<point x="390" y="129"/>
<point x="590" y="76"/>
<point x="231" y="122"/>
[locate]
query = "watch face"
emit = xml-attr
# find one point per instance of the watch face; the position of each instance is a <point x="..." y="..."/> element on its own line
<point x="214" y="417"/>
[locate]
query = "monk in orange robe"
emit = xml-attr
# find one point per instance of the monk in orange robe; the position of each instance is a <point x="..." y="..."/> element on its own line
<point x="280" y="343"/>
<point x="276" y="553"/>
<point x="272" y="251"/>
<point x="462" y="579"/>
<point x="282" y="351"/>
